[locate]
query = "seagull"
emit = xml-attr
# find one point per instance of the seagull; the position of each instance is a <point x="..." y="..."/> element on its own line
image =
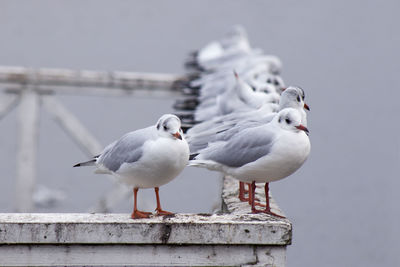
<point x="212" y="84"/>
<point x="234" y="44"/>
<point x="146" y="158"/>
<point x="238" y="97"/>
<point x="221" y="128"/>
<point x="264" y="153"/>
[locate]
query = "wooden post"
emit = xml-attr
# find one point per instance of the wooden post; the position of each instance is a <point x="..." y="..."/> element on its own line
<point x="28" y="124"/>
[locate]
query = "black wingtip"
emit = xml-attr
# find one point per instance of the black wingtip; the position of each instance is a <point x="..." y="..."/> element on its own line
<point x="193" y="156"/>
<point x="87" y="163"/>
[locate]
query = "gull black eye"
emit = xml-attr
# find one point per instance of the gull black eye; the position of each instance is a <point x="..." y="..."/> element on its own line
<point x="165" y="128"/>
<point x="288" y="121"/>
<point x="265" y="91"/>
<point x="269" y="81"/>
<point x="254" y="89"/>
<point x="276" y="83"/>
<point x="298" y="98"/>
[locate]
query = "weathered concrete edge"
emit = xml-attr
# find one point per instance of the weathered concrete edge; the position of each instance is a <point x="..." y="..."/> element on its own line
<point x="238" y="227"/>
<point x="142" y="255"/>
<point x="120" y="229"/>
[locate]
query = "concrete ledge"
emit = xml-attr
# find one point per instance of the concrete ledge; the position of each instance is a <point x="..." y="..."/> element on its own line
<point x="256" y="229"/>
<point x="234" y="238"/>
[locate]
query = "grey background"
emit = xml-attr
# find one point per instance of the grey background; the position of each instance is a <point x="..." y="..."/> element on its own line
<point x="343" y="202"/>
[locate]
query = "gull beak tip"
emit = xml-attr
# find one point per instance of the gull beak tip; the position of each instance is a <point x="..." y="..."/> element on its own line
<point x="303" y="128"/>
<point x="177" y="135"/>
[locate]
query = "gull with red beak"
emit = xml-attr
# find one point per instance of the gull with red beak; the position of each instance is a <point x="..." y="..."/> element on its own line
<point x="293" y="97"/>
<point x="260" y="154"/>
<point x="146" y="158"/>
<point x="224" y="127"/>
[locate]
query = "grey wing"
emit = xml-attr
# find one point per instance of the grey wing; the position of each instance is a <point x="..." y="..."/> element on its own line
<point x="201" y="140"/>
<point x="245" y="147"/>
<point x="226" y="130"/>
<point x="221" y="133"/>
<point x="128" y="149"/>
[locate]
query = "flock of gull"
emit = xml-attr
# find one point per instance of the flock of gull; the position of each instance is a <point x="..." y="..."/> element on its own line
<point x="236" y="117"/>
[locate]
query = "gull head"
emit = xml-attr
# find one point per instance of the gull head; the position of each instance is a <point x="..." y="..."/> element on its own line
<point x="290" y="119"/>
<point x="293" y="97"/>
<point x="169" y="126"/>
<point x="276" y="81"/>
<point x="262" y="86"/>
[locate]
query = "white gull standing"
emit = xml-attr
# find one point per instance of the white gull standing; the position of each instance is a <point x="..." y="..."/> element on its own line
<point x="264" y="153"/>
<point x="221" y="128"/>
<point x="146" y="158"/>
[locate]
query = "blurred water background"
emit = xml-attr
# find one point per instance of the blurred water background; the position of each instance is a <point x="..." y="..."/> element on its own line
<point x="344" y="202"/>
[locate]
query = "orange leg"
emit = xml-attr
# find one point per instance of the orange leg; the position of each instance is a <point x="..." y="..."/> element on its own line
<point x="267" y="208"/>
<point x="252" y="194"/>
<point x="256" y="200"/>
<point x="159" y="210"/>
<point x="249" y="199"/>
<point x="242" y="192"/>
<point x="137" y="214"/>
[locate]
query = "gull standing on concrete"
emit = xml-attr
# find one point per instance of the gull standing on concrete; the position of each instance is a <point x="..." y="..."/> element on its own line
<point x="146" y="158"/>
<point x="222" y="128"/>
<point x="265" y="153"/>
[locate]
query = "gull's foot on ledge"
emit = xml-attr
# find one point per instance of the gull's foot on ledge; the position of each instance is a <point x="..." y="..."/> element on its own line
<point x="140" y="214"/>
<point x="161" y="212"/>
<point x="267" y="211"/>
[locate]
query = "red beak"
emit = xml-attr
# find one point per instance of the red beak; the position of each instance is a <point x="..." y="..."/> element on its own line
<point x="306" y="107"/>
<point x="303" y="128"/>
<point x="283" y="88"/>
<point x="177" y="135"/>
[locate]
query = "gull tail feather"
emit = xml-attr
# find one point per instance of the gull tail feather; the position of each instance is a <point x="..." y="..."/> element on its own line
<point x="208" y="164"/>
<point x="86" y="163"/>
<point x="193" y="156"/>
